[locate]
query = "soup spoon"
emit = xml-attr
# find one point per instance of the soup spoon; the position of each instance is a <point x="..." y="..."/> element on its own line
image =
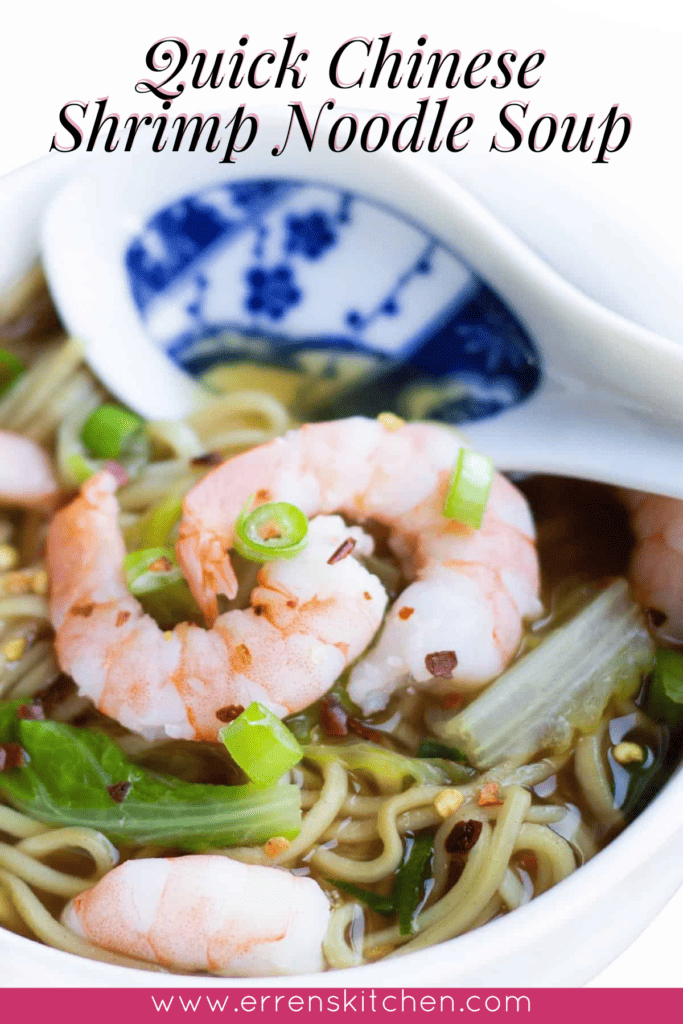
<point x="378" y="274"/>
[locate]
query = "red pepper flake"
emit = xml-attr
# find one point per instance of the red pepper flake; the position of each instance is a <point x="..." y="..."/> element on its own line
<point x="367" y="595"/>
<point x="489" y="796"/>
<point x="344" y="549"/>
<point x="85" y="610"/>
<point x="463" y="836"/>
<point x="333" y="716"/>
<point x="12" y="755"/>
<point x="405" y="613"/>
<point x="441" y="663"/>
<point x="207" y="459"/>
<point x="366" y="732"/>
<point x="31" y="712"/>
<point x="292" y="603"/>
<point x="122" y="617"/>
<point x="229" y="713"/>
<point x="162" y="564"/>
<point x="119" y="791"/>
<point x="263" y="494"/>
<point x="452" y="700"/>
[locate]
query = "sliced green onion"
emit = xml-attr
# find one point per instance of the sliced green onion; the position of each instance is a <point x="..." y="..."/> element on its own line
<point x="155" y="578"/>
<point x="275" y="530"/>
<point x="261" y="744"/>
<point x="469" y="488"/>
<point x="111" y="432"/>
<point x="409" y="888"/>
<point x="380" y="904"/>
<point x="76" y="461"/>
<point x="11" y="370"/>
<point x="665" y="694"/>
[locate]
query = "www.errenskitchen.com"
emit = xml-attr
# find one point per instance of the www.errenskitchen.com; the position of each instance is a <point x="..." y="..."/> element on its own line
<point x="345" y="1001"/>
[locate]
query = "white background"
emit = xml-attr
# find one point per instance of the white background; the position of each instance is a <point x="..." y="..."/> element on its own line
<point x="599" y="52"/>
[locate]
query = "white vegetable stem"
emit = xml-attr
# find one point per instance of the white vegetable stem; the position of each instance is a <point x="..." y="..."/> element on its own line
<point x="563" y="685"/>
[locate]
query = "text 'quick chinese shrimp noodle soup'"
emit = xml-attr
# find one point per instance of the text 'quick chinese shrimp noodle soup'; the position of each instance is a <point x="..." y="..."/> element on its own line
<point x="277" y="697"/>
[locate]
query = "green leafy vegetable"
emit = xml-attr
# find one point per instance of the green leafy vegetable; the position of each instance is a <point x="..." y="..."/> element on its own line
<point x="665" y="694"/>
<point x="389" y="766"/>
<point x="65" y="780"/>
<point x="562" y="685"/>
<point x="261" y="744"/>
<point x="408" y="893"/>
<point x="381" y="904"/>
<point x="431" y="748"/>
<point x="409" y="887"/>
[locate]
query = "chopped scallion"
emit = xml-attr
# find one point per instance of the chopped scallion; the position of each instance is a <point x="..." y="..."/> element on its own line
<point x="380" y="904"/>
<point x="431" y="748"/>
<point x="261" y="744"/>
<point x="275" y="530"/>
<point x="112" y="432"/>
<point x="469" y="487"/>
<point x="11" y="370"/>
<point x="409" y="888"/>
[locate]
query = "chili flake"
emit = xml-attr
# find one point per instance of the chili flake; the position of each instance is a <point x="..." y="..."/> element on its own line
<point x="441" y="663"/>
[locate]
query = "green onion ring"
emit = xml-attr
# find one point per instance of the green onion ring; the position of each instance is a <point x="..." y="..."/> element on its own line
<point x="469" y="487"/>
<point x="112" y="431"/>
<point x="288" y="521"/>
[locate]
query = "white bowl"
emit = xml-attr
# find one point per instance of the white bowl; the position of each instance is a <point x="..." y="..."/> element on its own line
<point x="564" y="937"/>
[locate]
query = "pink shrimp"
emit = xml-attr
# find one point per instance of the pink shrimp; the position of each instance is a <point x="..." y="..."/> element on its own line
<point x="657" y="561"/>
<point x="206" y="913"/>
<point x="461" y="619"/>
<point x="26" y="477"/>
<point x="309" y="618"/>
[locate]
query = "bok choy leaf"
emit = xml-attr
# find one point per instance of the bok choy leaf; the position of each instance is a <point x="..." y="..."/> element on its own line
<point x="80" y="777"/>
<point x="563" y="685"/>
<point x="390" y="767"/>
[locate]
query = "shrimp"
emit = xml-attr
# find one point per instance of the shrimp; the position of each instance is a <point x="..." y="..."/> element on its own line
<point x="460" y="621"/>
<point x="206" y="913"/>
<point x="656" y="569"/>
<point x="26" y="477"/>
<point x="309" y="618"/>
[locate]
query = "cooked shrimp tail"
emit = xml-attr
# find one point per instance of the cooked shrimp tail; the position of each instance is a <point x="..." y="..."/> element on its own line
<point x="206" y="913"/>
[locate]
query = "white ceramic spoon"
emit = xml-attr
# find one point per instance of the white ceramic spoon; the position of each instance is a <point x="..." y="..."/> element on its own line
<point x="610" y="403"/>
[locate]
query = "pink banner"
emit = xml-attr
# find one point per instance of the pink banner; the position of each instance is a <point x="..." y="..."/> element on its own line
<point x="111" y="1006"/>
